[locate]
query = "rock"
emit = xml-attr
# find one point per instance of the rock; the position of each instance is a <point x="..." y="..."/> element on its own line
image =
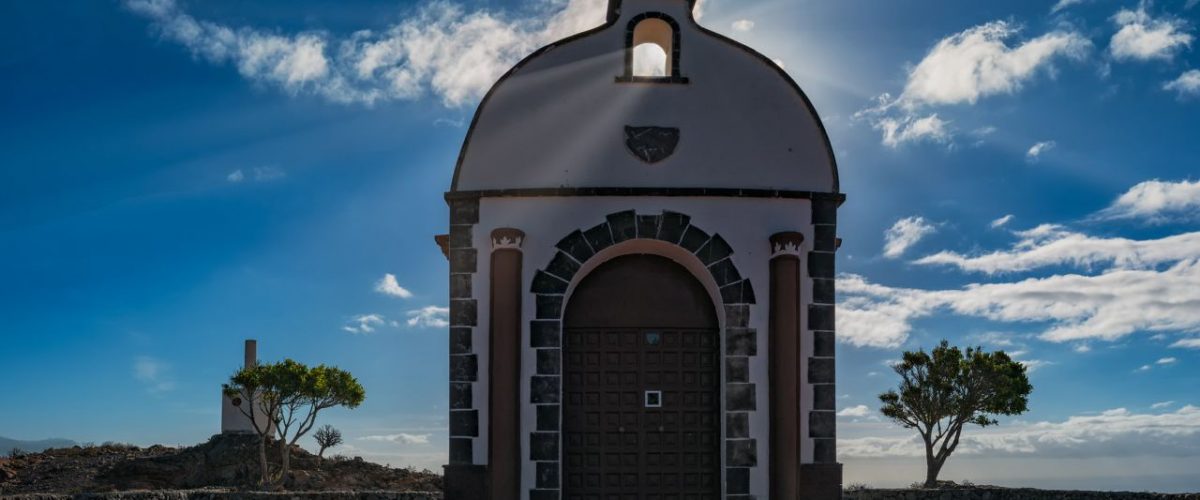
<point x="225" y="461"/>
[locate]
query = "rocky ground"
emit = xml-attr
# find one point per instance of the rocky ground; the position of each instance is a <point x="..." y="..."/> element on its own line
<point x="223" y="462"/>
<point x="948" y="490"/>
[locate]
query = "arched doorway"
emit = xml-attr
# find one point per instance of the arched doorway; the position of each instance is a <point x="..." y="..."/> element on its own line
<point x="641" y="415"/>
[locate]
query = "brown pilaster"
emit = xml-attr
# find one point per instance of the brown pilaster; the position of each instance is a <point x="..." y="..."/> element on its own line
<point x="784" y="365"/>
<point x="504" y="415"/>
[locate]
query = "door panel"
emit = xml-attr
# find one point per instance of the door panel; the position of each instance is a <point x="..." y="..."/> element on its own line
<point x="618" y="448"/>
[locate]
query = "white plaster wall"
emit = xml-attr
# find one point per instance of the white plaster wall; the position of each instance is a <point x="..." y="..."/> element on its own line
<point x="234" y="421"/>
<point x="746" y="223"/>
<point x="559" y="120"/>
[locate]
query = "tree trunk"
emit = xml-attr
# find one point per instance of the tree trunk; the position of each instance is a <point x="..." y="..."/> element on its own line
<point x="933" y="468"/>
<point x="262" y="458"/>
<point x="284" y="460"/>
<point x="320" y="457"/>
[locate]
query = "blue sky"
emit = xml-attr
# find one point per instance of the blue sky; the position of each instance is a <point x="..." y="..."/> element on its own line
<point x="178" y="176"/>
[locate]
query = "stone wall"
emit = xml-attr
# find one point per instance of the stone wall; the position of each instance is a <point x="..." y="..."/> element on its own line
<point x="1008" y="494"/>
<point x="230" y="495"/>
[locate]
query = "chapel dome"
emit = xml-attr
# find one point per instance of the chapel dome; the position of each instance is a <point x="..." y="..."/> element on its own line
<point x="559" y="118"/>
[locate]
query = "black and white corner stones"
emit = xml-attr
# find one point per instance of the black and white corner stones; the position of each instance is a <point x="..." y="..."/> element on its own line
<point x="549" y="287"/>
<point x="464" y="363"/>
<point x="821" y="321"/>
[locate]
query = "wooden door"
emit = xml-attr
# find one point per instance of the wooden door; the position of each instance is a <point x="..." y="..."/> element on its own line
<point x="641" y="390"/>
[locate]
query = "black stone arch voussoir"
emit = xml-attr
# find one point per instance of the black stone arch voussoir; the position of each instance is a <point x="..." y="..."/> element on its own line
<point x="675" y="228"/>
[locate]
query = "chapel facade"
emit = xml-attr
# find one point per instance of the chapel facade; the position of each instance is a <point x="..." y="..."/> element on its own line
<point x="642" y="274"/>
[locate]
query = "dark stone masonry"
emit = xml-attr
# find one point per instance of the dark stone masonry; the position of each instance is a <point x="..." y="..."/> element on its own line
<point x="737" y="480"/>
<point x="232" y="495"/>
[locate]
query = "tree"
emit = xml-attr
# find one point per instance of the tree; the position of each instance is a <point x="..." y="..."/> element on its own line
<point x="327" y="437"/>
<point x="307" y="391"/>
<point x="942" y="392"/>
<point x="290" y="395"/>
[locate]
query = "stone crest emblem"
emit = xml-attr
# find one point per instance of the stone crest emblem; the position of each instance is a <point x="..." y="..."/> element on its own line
<point x="651" y="144"/>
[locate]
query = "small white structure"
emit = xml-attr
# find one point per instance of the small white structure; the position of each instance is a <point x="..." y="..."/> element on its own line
<point x="233" y="421"/>
<point x="642" y="274"/>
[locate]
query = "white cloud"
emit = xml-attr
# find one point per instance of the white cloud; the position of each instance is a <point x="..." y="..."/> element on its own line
<point x="998" y="339"/>
<point x="441" y="48"/>
<point x="1073" y="307"/>
<point x="402" y="438"/>
<point x="743" y="25"/>
<point x="911" y="128"/>
<point x="981" y="134"/>
<point x="1191" y="343"/>
<point x="978" y="62"/>
<point x="429" y="317"/>
<point x="985" y="131"/>
<point x="1113" y="433"/>
<point x="1001" y="222"/>
<point x="258" y="174"/>
<point x="364" y="323"/>
<point x="1161" y="405"/>
<point x="264" y="174"/>
<point x="1035" y="152"/>
<point x="962" y="68"/>
<point x="389" y="286"/>
<point x="1156" y="201"/>
<point x="905" y="233"/>
<point x="446" y="122"/>
<point x="1188" y="83"/>
<point x="859" y="411"/>
<point x="425" y="317"/>
<point x="153" y="373"/>
<point x="1053" y="245"/>
<point x="1063" y="4"/>
<point x="1143" y="38"/>
<point x="1166" y="361"/>
<point x="1032" y="365"/>
<point x="1150" y="286"/>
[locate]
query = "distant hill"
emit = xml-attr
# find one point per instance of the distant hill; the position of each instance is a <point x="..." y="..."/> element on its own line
<point x="7" y="445"/>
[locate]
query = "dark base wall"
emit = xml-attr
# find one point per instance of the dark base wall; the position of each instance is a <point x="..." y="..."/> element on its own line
<point x="1008" y="494"/>
<point x="231" y="495"/>
<point x="465" y="482"/>
<point x="820" y="481"/>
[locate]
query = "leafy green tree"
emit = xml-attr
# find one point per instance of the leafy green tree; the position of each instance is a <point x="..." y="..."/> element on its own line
<point x="290" y="395"/>
<point x="943" y="391"/>
<point x="310" y="390"/>
<point x="327" y="437"/>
